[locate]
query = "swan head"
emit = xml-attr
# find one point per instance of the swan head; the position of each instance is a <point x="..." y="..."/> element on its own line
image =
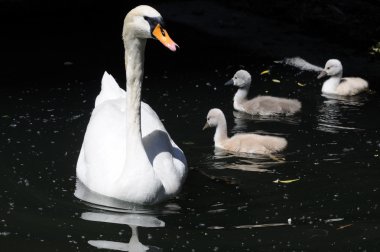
<point x="145" y="22"/>
<point x="213" y="118"/>
<point x="241" y="79"/>
<point x="333" y="67"/>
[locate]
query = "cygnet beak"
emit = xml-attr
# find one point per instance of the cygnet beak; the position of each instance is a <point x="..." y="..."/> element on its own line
<point x="322" y="74"/>
<point x="206" y="126"/>
<point x="162" y="35"/>
<point x="229" y="83"/>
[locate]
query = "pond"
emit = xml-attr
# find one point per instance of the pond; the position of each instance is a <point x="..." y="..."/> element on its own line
<point x="230" y="202"/>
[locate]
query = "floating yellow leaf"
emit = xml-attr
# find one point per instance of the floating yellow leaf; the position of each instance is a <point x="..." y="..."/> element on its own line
<point x="276" y="81"/>
<point x="285" y="181"/>
<point x="265" y="72"/>
<point x="300" y="84"/>
<point x="344" y="226"/>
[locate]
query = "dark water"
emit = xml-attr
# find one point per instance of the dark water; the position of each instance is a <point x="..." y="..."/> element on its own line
<point x="229" y="202"/>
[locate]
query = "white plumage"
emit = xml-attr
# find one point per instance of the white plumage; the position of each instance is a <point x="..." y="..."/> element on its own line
<point x="127" y="153"/>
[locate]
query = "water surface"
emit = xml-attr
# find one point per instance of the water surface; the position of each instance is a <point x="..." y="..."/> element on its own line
<point x="229" y="201"/>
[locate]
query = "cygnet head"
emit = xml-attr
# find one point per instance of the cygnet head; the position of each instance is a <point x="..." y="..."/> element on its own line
<point x="213" y="118"/>
<point x="144" y="22"/>
<point x="241" y="79"/>
<point x="333" y="67"/>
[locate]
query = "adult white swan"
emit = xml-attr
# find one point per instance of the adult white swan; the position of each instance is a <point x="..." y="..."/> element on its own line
<point x="127" y="153"/>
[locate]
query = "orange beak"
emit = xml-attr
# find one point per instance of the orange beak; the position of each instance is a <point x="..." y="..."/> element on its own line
<point x="162" y="35"/>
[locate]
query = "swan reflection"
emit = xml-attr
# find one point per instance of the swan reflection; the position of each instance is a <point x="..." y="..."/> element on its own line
<point x="337" y="113"/>
<point x="115" y="205"/>
<point x="133" y="221"/>
<point x="242" y="120"/>
<point x="115" y="211"/>
<point x="225" y="160"/>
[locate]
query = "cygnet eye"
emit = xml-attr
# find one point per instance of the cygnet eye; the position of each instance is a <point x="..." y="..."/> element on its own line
<point x="328" y="68"/>
<point x="235" y="77"/>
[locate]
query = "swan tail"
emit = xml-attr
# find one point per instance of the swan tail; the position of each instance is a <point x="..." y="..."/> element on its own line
<point x="110" y="90"/>
<point x="291" y="106"/>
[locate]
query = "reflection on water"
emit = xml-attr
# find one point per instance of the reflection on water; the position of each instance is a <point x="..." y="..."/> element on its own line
<point x="229" y="201"/>
<point x="121" y="212"/>
<point x="107" y="203"/>
<point x="337" y="113"/>
<point x="225" y="160"/>
<point x="133" y="221"/>
<point x="242" y="120"/>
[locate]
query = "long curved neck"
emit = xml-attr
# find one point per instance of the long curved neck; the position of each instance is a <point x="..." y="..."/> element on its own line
<point x="241" y="96"/>
<point x="221" y="131"/>
<point x="330" y="85"/>
<point x="134" y="65"/>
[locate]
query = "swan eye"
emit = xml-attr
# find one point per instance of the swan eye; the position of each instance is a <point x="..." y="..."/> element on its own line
<point x="154" y="21"/>
<point x="328" y="68"/>
<point x="162" y="31"/>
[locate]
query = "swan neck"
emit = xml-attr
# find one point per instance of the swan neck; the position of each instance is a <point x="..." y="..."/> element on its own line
<point x="241" y="94"/>
<point x="330" y="85"/>
<point x="221" y="130"/>
<point x="240" y="98"/>
<point x="134" y="64"/>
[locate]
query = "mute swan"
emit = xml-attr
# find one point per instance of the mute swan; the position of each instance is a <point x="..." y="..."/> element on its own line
<point x="127" y="153"/>
<point x="248" y="143"/>
<point x="262" y="105"/>
<point x="338" y="85"/>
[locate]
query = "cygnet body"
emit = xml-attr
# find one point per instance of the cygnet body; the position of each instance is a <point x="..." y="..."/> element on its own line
<point x="260" y="105"/>
<point x="247" y="143"/>
<point x="340" y="86"/>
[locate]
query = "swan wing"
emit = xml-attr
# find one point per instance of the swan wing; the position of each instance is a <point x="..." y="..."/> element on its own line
<point x="110" y="90"/>
<point x="253" y="143"/>
<point x="352" y="86"/>
<point x="160" y="168"/>
<point x="269" y="105"/>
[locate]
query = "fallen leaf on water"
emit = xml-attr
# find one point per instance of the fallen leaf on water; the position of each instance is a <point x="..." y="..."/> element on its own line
<point x="344" y="226"/>
<point x="276" y="81"/>
<point x="263" y="225"/>
<point x="265" y="72"/>
<point x="285" y="181"/>
<point x="333" y="220"/>
<point x="300" y="84"/>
